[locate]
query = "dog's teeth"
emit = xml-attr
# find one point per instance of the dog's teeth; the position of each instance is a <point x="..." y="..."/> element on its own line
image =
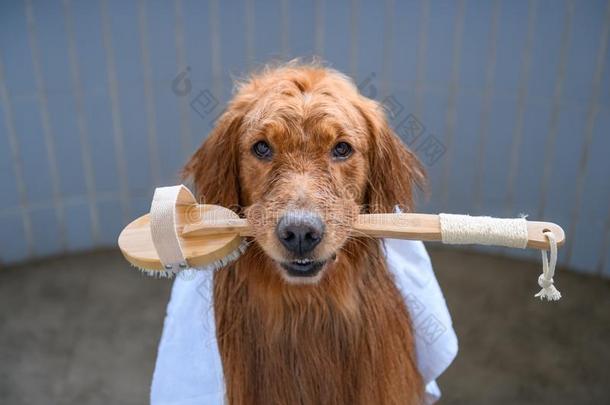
<point x="302" y="261"/>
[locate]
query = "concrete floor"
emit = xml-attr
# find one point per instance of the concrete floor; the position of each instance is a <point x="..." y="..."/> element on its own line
<point x="84" y="330"/>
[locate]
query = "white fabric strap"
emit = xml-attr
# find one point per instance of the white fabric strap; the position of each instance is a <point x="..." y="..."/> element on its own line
<point x="464" y="229"/>
<point x="163" y="224"/>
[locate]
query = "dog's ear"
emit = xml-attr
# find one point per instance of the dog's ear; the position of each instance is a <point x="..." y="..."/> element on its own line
<point x="394" y="170"/>
<point x="214" y="168"/>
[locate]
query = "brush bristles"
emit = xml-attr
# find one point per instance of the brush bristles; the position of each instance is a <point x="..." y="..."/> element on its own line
<point x="228" y="259"/>
<point x="216" y="265"/>
<point x="155" y="273"/>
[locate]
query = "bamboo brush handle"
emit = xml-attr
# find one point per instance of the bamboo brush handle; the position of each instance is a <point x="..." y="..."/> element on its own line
<point x="425" y="227"/>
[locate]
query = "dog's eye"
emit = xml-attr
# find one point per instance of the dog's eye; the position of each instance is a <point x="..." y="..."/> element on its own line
<point x="342" y="150"/>
<point x="262" y="150"/>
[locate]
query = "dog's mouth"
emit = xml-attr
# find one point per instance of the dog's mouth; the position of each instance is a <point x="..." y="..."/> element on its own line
<point x="303" y="267"/>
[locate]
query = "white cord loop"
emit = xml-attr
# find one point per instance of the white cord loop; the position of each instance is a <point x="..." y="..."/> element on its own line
<point x="464" y="229"/>
<point x="545" y="281"/>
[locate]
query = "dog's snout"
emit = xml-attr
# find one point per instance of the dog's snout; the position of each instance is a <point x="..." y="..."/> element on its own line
<point x="300" y="232"/>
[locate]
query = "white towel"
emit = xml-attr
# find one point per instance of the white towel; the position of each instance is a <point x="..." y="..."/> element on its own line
<point x="189" y="371"/>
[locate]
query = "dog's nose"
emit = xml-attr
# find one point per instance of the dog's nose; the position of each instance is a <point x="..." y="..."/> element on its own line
<point x="299" y="231"/>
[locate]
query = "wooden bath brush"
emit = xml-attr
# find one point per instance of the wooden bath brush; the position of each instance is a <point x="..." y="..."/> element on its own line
<point x="178" y="234"/>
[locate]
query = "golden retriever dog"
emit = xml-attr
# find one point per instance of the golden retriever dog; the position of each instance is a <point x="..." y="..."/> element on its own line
<point x="309" y="314"/>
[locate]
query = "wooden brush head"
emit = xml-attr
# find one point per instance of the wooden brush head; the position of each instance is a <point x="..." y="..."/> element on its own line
<point x="136" y="243"/>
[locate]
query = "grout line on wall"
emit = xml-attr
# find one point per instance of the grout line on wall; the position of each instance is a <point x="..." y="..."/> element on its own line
<point x="115" y="108"/>
<point x="319" y="38"/>
<point x="421" y="58"/>
<point x="186" y="134"/>
<point x="388" y="41"/>
<point x="285" y="28"/>
<point x="592" y="111"/>
<point x="217" y="75"/>
<point x="354" y="14"/>
<point x="551" y="138"/>
<point x="81" y="121"/>
<point x="47" y="130"/>
<point x="249" y="32"/>
<point x="526" y="60"/>
<point x="13" y="141"/>
<point x="450" y="118"/>
<point x="605" y="246"/>
<point x="149" y="94"/>
<point x="486" y="106"/>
